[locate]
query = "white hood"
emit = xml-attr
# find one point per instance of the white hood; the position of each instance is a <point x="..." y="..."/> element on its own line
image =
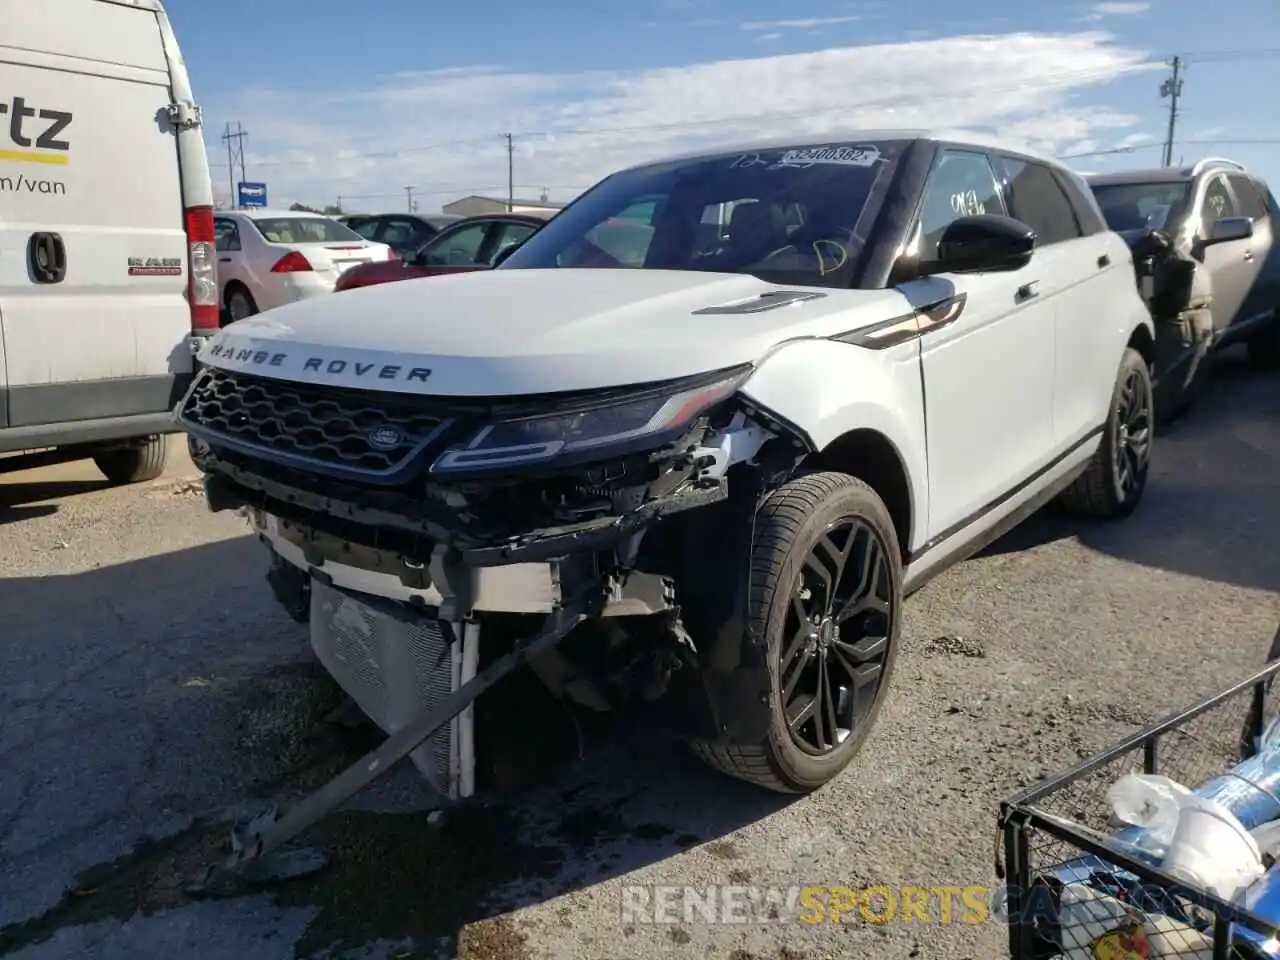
<point x="512" y="332"/>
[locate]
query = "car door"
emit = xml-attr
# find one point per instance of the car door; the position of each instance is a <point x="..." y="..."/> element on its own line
<point x="1079" y="283"/>
<point x="1232" y="265"/>
<point x="987" y="369"/>
<point x="1261" y="298"/>
<point x="231" y="254"/>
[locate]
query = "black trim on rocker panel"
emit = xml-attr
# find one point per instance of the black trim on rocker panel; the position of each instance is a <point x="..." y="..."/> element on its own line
<point x="1005" y="497"/>
<point x="83" y="400"/>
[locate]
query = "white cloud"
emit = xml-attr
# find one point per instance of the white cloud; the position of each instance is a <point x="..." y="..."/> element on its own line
<point x="442" y="130"/>
<point x="797" y="24"/>
<point x="764" y="37"/>
<point x="1100" y="11"/>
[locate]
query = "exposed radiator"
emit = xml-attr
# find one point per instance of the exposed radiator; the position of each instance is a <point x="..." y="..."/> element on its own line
<point x="395" y="663"/>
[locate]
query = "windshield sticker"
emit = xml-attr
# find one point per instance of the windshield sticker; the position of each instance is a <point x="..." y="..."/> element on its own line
<point x="837" y="156"/>
<point x="967" y="204"/>
<point x="805" y="157"/>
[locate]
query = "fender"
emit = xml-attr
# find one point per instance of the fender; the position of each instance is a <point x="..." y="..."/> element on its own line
<point x="825" y="388"/>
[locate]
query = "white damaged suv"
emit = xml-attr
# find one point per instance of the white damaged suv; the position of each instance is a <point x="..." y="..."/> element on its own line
<point x="814" y="375"/>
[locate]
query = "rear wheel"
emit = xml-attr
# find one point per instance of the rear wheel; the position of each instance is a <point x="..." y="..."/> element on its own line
<point x="240" y="303"/>
<point x="1112" y="485"/>
<point x="135" y="463"/>
<point x="826" y="593"/>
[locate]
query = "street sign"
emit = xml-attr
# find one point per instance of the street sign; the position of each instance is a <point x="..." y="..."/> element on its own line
<point x="252" y="194"/>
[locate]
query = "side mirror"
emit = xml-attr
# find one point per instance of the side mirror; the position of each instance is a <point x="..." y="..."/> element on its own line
<point x="1228" y="229"/>
<point x="985" y="243"/>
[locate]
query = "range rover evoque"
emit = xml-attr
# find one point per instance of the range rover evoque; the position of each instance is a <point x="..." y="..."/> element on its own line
<point x="832" y="370"/>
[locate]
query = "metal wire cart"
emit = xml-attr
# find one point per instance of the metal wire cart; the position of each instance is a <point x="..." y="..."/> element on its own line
<point x="1075" y="891"/>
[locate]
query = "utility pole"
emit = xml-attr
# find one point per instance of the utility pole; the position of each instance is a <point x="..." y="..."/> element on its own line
<point x="235" y="157"/>
<point x="511" y="174"/>
<point x="1172" y="89"/>
<point x="408" y="193"/>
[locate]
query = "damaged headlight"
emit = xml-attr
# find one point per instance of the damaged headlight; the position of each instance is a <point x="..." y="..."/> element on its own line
<point x="645" y="418"/>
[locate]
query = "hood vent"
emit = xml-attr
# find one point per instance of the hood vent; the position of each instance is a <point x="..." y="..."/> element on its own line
<point x="765" y="301"/>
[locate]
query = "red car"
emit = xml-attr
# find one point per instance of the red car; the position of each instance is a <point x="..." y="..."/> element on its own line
<point x="470" y="244"/>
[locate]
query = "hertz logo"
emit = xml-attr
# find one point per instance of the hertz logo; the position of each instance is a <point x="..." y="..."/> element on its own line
<point x="36" y="143"/>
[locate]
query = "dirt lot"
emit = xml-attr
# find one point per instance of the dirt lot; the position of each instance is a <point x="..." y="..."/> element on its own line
<point x="148" y="683"/>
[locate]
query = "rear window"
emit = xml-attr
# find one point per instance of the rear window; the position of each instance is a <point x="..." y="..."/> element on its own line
<point x="1141" y="206"/>
<point x="306" y="230"/>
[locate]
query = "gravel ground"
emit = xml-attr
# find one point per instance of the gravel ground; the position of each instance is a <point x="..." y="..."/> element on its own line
<point x="148" y="683"/>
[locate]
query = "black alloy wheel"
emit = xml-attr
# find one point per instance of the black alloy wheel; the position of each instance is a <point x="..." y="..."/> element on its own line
<point x="836" y="636"/>
<point x="1133" y="434"/>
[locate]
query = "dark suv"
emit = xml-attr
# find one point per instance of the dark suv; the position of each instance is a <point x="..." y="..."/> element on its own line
<point x="1221" y="217"/>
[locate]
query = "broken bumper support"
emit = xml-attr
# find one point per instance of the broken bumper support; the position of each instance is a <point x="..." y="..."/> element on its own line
<point x="256" y="855"/>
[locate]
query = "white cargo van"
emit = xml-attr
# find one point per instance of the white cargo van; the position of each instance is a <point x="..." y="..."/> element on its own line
<point x="107" y="271"/>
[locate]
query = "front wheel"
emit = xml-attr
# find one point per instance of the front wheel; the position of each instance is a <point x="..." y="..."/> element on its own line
<point x="1111" y="487"/>
<point x="135" y="463"/>
<point x="826" y="596"/>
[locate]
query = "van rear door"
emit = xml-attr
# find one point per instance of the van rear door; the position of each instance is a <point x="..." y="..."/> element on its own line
<point x="93" y="252"/>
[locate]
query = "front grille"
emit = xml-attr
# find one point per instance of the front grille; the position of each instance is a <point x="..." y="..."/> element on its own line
<point x="354" y="430"/>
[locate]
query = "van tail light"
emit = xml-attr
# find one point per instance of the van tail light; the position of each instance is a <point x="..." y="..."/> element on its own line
<point x="202" y="269"/>
<point x="292" y="262"/>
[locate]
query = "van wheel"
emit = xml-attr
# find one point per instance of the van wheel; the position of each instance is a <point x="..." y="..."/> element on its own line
<point x="1112" y="485"/>
<point x="826" y="595"/>
<point x="240" y="302"/>
<point x="135" y="463"/>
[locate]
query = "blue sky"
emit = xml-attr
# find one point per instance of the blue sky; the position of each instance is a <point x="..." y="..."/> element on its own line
<point x="341" y="100"/>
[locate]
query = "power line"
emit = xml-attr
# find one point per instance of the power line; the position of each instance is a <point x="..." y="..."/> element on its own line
<point x="1265" y="141"/>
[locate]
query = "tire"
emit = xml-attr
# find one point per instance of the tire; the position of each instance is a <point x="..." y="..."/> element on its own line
<point x="137" y="463"/>
<point x="240" y="303"/>
<point x="1264" y="347"/>
<point x="793" y="522"/>
<point x="1112" y="486"/>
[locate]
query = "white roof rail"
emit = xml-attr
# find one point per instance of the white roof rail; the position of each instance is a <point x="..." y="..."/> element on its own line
<point x="1201" y="165"/>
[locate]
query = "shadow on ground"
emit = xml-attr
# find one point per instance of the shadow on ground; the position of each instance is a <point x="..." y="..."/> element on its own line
<point x="176" y="689"/>
<point x="1200" y="513"/>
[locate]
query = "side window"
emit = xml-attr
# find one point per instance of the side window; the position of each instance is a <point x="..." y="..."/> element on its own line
<point x="1038" y="201"/>
<point x="508" y="235"/>
<point x="396" y="233"/>
<point x="1217" y="204"/>
<point x="962" y="184"/>
<point x="225" y="235"/>
<point x="456" y="248"/>
<point x="366" y="228"/>
<point x="1247" y="198"/>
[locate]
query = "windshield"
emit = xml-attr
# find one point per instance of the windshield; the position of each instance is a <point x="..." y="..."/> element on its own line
<point x="306" y="230"/>
<point x="797" y="215"/>
<point x="1141" y="206"/>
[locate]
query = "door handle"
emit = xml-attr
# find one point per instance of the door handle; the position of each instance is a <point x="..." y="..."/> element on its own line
<point x="224" y="259"/>
<point x="1029" y="290"/>
<point x="1248" y="256"/>
<point x="47" y="257"/>
<point x="1104" y="261"/>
